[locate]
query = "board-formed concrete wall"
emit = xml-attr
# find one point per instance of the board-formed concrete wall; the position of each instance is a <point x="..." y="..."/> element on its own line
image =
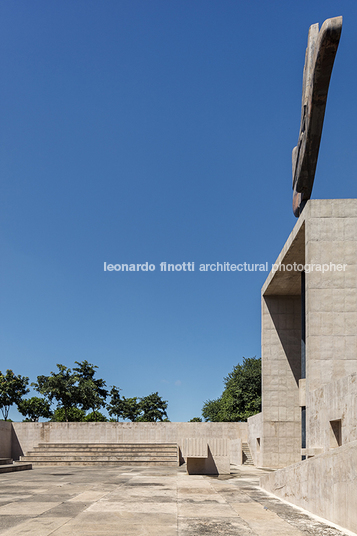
<point x="5" y="439"/>
<point x="323" y="242"/>
<point x="27" y="435"/>
<point x="236" y="453"/>
<point x="255" y="438"/>
<point x="336" y="401"/>
<point x="331" y="297"/>
<point x="325" y="485"/>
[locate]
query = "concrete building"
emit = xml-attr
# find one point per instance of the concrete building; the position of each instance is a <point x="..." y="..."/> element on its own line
<point x="309" y="365"/>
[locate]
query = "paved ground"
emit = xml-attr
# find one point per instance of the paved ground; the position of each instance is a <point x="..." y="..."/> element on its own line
<point x="128" y="501"/>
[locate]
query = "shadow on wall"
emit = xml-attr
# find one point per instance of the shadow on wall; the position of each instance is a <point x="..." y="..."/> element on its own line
<point x="202" y="466"/>
<point x="16" y="450"/>
<point x="285" y="312"/>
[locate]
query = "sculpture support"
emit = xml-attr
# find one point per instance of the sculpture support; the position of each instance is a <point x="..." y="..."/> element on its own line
<point x="320" y="55"/>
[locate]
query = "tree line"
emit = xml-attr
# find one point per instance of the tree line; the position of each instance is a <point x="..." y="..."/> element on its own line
<point x="241" y="397"/>
<point x="79" y="396"/>
<point x="76" y="392"/>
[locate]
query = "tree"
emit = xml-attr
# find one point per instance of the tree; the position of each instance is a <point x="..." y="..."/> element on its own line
<point x="211" y="410"/>
<point x="60" y="386"/>
<point x="152" y="408"/>
<point x="131" y="409"/>
<point x="95" y="416"/>
<point x="70" y="415"/>
<point x="33" y="408"/>
<point x="12" y="389"/>
<point x="195" y="419"/>
<point x="116" y="406"/>
<point x="91" y="391"/>
<point x="241" y="397"/>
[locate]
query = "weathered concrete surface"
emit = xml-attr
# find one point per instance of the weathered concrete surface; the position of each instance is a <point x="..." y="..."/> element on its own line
<point x="236" y="454"/>
<point x="143" y="502"/>
<point x="324" y="235"/>
<point x="325" y="485"/>
<point x="335" y="401"/>
<point x="26" y="436"/>
<point x="207" y="456"/>
<point x="139" y="454"/>
<point x="5" y="439"/>
<point x="17" y="466"/>
<point x="255" y="434"/>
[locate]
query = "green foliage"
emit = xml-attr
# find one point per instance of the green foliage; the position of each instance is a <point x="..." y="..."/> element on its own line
<point x="91" y="392"/>
<point x="131" y="409"/>
<point x="75" y="392"/>
<point x="70" y="415"/>
<point x="12" y="389"/>
<point x="152" y="408"/>
<point x="72" y="389"/>
<point x="61" y="387"/>
<point x="95" y="416"/>
<point x="211" y="410"/>
<point x="195" y="419"/>
<point x="116" y="406"/>
<point x="241" y="397"/>
<point x="34" y="408"/>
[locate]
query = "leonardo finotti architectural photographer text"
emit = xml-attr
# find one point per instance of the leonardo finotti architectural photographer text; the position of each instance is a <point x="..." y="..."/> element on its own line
<point x="225" y="267"/>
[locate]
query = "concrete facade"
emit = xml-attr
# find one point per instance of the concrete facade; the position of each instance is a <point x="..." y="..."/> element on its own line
<point x="325" y="235"/>
<point x="312" y="319"/>
<point x="25" y="436"/>
<point x="255" y="435"/>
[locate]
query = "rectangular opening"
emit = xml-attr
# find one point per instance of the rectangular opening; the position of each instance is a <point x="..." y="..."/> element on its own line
<point x="258" y="444"/>
<point x="335" y="434"/>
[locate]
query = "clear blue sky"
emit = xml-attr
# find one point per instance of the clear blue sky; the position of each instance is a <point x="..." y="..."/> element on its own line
<point x="149" y="131"/>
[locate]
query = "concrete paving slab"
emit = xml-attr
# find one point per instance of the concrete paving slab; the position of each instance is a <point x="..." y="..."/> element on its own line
<point x="88" y="496"/>
<point x="136" y="507"/>
<point x="32" y="509"/>
<point x="263" y="521"/>
<point x="87" y="501"/>
<point x="200" y="498"/>
<point x="223" y="527"/>
<point x="206" y="510"/>
<point x="36" y="527"/>
<point x="120" y="530"/>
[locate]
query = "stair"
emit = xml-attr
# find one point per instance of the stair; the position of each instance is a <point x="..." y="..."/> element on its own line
<point x="79" y="454"/>
<point x="247" y="457"/>
<point x="8" y="466"/>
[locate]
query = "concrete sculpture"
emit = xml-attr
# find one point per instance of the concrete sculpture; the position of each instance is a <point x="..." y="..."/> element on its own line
<point x="319" y="59"/>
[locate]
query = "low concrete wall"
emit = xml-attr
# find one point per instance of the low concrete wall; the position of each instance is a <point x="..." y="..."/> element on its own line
<point x="325" y="485"/>
<point x="335" y="401"/>
<point x="27" y="435"/>
<point x="236" y="454"/>
<point x="5" y="439"/>
<point x="255" y="437"/>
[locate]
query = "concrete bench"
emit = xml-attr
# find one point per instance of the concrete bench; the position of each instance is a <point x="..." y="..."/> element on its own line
<point x="207" y="456"/>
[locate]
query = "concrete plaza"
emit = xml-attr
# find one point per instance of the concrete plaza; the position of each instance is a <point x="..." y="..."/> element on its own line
<point x="144" y="501"/>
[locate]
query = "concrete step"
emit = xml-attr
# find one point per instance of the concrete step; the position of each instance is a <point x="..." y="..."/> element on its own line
<point x="114" y="448"/>
<point x="17" y="466"/>
<point x="103" y="454"/>
<point x="107" y="445"/>
<point x="247" y="456"/>
<point x="99" y="457"/>
<point x="5" y="461"/>
<point x="102" y="463"/>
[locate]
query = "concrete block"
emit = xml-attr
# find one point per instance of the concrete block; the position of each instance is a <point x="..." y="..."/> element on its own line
<point x="195" y="447"/>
